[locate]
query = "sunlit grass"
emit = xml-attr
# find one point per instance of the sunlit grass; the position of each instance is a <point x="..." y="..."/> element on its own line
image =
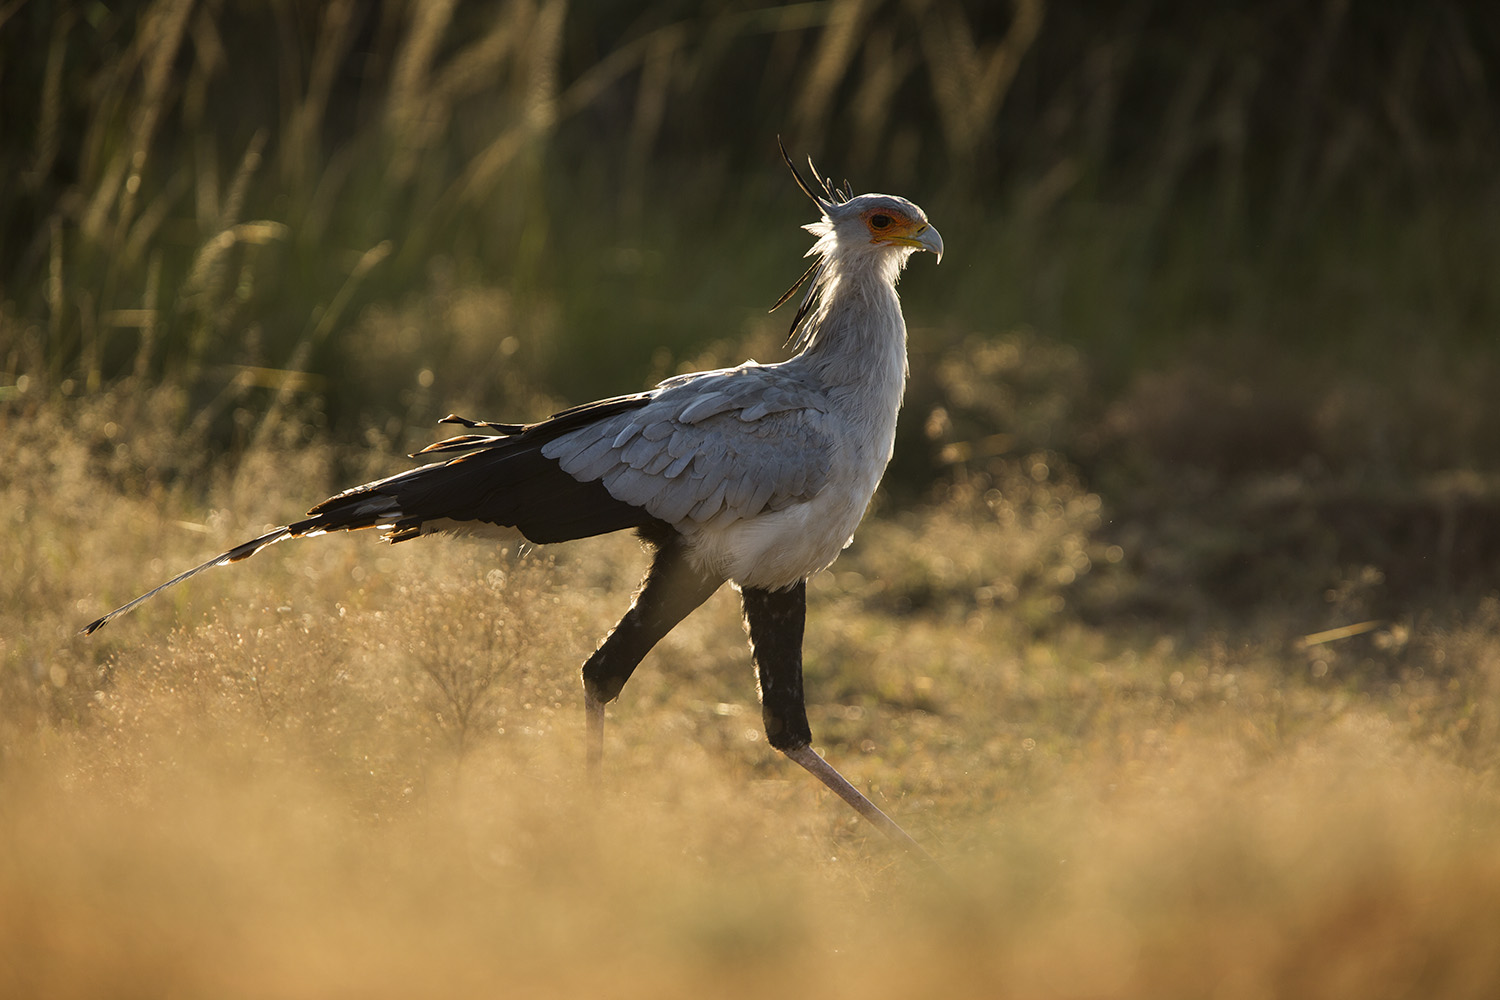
<point x="343" y="767"/>
<point x="1189" y="393"/>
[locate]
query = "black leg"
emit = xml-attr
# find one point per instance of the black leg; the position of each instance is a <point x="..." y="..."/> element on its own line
<point x="671" y="590"/>
<point x="775" y="621"/>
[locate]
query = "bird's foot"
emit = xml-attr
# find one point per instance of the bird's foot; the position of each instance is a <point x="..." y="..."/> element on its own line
<point x="829" y="775"/>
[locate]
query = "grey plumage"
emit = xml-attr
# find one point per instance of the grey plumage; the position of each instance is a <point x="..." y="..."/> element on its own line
<point x="706" y="446"/>
<point x="757" y="475"/>
<point x="764" y="470"/>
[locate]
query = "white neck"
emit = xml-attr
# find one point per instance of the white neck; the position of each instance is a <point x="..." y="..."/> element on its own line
<point x="856" y="349"/>
<point x="857" y="335"/>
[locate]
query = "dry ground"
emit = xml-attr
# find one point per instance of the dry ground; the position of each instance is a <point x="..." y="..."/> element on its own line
<point x="342" y="769"/>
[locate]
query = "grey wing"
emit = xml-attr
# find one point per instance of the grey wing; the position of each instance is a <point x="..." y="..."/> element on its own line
<point x="728" y="444"/>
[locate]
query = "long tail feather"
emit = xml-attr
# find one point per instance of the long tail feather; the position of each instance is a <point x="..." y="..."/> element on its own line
<point x="503" y="480"/>
<point x="235" y="554"/>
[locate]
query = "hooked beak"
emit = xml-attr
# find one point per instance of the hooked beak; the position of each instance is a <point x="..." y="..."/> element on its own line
<point x="930" y="239"/>
<point x="926" y="238"/>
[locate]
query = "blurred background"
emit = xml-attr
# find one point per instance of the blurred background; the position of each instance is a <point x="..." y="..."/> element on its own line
<point x="1232" y="267"/>
<point x="1257" y="240"/>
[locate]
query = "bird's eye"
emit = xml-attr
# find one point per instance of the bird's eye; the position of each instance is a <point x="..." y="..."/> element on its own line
<point x="880" y="221"/>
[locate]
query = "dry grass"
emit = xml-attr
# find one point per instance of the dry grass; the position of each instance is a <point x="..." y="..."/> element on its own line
<point x="344" y="769"/>
<point x="348" y="769"/>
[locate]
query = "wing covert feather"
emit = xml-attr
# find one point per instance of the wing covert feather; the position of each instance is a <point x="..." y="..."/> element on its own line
<point x="731" y="443"/>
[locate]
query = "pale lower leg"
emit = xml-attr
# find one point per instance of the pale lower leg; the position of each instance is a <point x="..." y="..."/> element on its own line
<point x="829" y="775"/>
<point x="775" y="620"/>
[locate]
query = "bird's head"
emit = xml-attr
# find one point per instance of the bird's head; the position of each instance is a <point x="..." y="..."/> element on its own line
<point x="872" y="234"/>
<point x="877" y="221"/>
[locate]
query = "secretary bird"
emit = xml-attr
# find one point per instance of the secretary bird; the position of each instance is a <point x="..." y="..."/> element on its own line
<point x="756" y="475"/>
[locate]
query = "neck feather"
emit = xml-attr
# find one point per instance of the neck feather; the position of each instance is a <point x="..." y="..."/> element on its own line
<point x="853" y="330"/>
<point x="858" y="280"/>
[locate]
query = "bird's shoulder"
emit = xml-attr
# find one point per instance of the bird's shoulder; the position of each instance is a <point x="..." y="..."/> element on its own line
<point x="751" y="391"/>
<point x="748" y="402"/>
